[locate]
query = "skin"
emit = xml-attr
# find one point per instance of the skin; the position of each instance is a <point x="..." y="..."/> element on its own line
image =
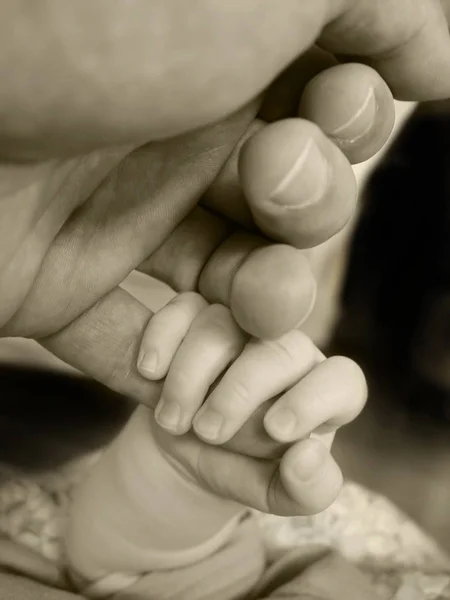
<point x="110" y="75"/>
<point x="114" y="73"/>
<point x="85" y="223"/>
<point x="267" y="397"/>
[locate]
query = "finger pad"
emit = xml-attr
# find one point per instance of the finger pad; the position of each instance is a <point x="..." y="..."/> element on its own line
<point x="272" y="292"/>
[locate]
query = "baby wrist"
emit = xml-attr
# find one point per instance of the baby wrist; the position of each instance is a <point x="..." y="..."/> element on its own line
<point x="137" y="513"/>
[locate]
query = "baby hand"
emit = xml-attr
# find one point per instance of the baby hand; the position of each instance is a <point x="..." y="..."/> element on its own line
<point x="194" y="344"/>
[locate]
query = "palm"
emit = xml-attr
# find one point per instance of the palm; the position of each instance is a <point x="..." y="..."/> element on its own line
<point x="78" y="245"/>
<point x="83" y="225"/>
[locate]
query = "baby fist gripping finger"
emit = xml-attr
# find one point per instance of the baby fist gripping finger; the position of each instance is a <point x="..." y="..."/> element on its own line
<point x="306" y="480"/>
<point x="263" y="370"/>
<point x="321" y="394"/>
<point x="330" y="396"/>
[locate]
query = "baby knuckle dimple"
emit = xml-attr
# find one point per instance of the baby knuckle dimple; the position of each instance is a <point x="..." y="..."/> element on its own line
<point x="291" y="348"/>
<point x="280" y="352"/>
<point x="303" y="345"/>
<point x="157" y="326"/>
<point x="239" y="398"/>
<point x="219" y="318"/>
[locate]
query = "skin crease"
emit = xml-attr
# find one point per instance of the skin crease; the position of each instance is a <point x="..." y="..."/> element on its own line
<point x="121" y="208"/>
<point x="119" y="318"/>
<point x="63" y="263"/>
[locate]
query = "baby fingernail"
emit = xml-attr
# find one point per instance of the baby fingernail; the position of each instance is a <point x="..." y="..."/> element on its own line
<point x="209" y="425"/>
<point x="148" y="362"/>
<point x="307" y="180"/>
<point x="360" y="122"/>
<point x="168" y="415"/>
<point x="281" y="423"/>
<point x="309" y="464"/>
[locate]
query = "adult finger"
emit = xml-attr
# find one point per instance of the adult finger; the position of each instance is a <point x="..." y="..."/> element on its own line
<point x="104" y="343"/>
<point x="300" y="187"/>
<point x="351" y="103"/>
<point x="132" y="210"/>
<point x="270" y="288"/>
<point x="353" y="106"/>
<point x="407" y="42"/>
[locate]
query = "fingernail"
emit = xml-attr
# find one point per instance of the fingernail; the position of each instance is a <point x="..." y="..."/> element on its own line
<point x="209" y="424"/>
<point x="360" y="122"/>
<point x="311" y="306"/>
<point x="148" y="362"/>
<point x="168" y="415"/>
<point x="309" y="463"/>
<point x="307" y="180"/>
<point x="281" y="423"/>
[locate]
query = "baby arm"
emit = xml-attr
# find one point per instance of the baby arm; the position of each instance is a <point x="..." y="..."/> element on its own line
<point x="157" y="501"/>
<point x="140" y="512"/>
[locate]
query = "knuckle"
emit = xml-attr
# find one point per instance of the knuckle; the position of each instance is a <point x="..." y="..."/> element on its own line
<point x="214" y="315"/>
<point x="239" y="400"/>
<point x="280" y="352"/>
<point x="157" y="325"/>
<point x="178" y="381"/>
<point x="291" y="348"/>
<point x="219" y="318"/>
<point x="241" y="393"/>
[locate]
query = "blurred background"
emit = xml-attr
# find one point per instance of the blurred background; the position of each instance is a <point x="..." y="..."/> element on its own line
<point x="384" y="300"/>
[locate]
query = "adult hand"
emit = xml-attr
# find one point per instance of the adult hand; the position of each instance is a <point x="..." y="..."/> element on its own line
<point x="80" y="75"/>
<point x="78" y="227"/>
